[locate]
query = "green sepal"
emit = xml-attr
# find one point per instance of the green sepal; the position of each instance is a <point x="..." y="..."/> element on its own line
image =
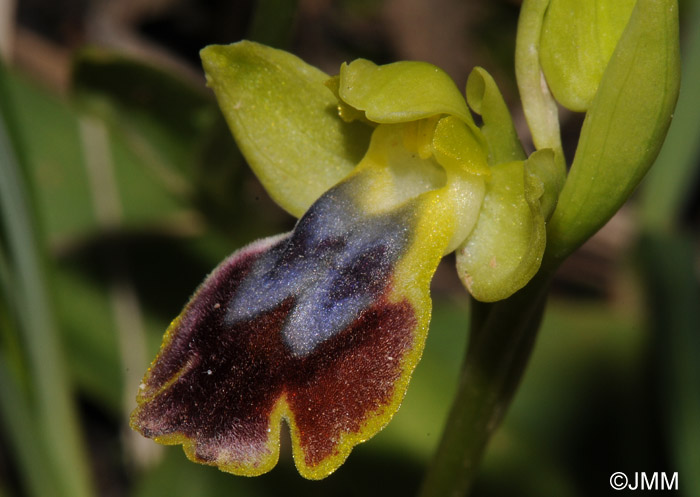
<point x="504" y="251"/>
<point x="484" y="97"/>
<point x="400" y="92"/>
<point x="578" y="39"/>
<point x="285" y="121"/>
<point x="624" y="128"/>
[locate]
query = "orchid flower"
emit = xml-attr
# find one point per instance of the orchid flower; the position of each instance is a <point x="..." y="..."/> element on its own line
<point x="323" y="326"/>
<point x="387" y="172"/>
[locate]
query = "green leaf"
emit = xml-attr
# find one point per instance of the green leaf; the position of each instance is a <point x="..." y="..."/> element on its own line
<point x="23" y="440"/>
<point x="53" y="160"/>
<point x="672" y="297"/>
<point x="669" y="186"/>
<point x="285" y="121"/>
<point x="401" y="92"/>
<point x="498" y="130"/>
<point x="186" y="148"/>
<point x="90" y="334"/>
<point x="57" y="148"/>
<point x="505" y="249"/>
<point x="136" y="100"/>
<point x="56" y="419"/>
<point x="578" y="39"/>
<point x="624" y="128"/>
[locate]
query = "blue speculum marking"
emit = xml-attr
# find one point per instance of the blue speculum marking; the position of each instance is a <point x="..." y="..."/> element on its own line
<point x="334" y="264"/>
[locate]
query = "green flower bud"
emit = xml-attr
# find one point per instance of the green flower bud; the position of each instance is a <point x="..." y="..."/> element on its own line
<point x="624" y="127"/>
<point x="578" y="38"/>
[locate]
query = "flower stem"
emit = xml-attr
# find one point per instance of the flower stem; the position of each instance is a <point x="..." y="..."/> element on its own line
<point x="502" y="337"/>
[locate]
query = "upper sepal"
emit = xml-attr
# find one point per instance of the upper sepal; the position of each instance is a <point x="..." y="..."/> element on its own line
<point x="401" y="91"/>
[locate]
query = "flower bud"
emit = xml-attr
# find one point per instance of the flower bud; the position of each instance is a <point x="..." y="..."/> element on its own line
<point x="578" y="38"/>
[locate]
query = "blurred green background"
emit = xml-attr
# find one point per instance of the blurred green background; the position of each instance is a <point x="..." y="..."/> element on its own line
<point x="121" y="188"/>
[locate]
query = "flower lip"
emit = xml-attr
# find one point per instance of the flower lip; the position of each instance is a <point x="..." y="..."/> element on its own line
<point x="322" y="327"/>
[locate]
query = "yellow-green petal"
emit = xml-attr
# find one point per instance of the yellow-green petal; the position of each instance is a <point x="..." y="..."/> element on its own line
<point x="578" y="39"/>
<point x="484" y="97"/>
<point x="400" y="92"/>
<point x="284" y="120"/>
<point x="505" y="248"/>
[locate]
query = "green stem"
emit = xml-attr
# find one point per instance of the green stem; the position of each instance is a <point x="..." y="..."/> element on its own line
<point x="500" y="346"/>
<point x="503" y="333"/>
